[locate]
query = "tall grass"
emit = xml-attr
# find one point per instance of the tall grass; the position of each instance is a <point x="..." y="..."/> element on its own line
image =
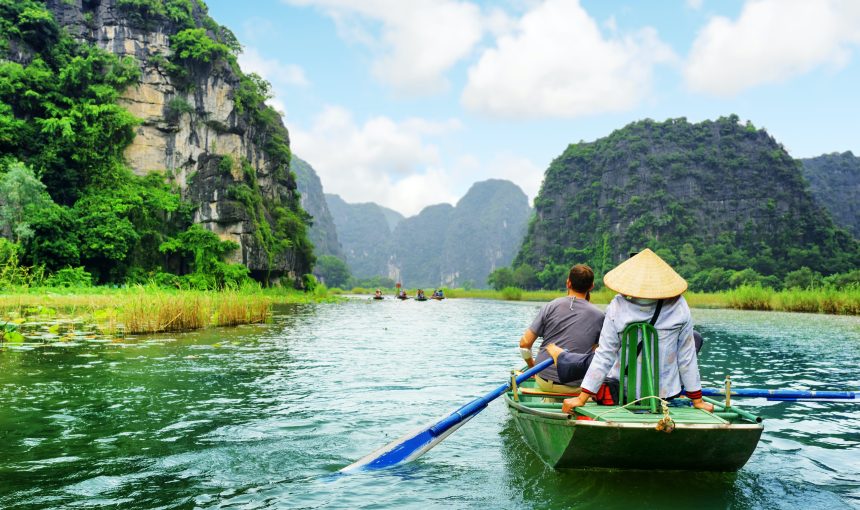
<point x="151" y="309"/>
<point x="827" y="300"/>
<point x="751" y="298"/>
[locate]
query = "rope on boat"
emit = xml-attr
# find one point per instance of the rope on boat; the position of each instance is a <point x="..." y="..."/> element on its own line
<point x="665" y="424"/>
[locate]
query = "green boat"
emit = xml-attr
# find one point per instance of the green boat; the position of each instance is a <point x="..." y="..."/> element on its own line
<point x="620" y="437"/>
<point x="646" y="433"/>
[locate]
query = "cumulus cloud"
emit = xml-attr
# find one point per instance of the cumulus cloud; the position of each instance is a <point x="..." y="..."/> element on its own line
<point x="251" y="61"/>
<point x="557" y="63"/>
<point x="382" y="160"/>
<point x="415" y="42"/>
<point x="771" y="41"/>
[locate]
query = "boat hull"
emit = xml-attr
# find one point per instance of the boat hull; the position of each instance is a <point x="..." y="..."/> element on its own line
<point x="569" y="443"/>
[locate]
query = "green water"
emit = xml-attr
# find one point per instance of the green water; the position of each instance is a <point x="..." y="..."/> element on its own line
<point x="263" y="416"/>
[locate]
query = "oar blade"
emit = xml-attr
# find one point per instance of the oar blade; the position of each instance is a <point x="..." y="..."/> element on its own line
<point x="402" y="450"/>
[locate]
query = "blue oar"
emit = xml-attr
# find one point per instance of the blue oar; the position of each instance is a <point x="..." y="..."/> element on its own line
<point x="786" y="395"/>
<point x="416" y="443"/>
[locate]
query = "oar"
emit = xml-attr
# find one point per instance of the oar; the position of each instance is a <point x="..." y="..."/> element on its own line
<point x="783" y="395"/>
<point x="416" y="443"/>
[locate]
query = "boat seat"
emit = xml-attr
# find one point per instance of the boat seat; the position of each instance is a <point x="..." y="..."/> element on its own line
<point x="640" y="366"/>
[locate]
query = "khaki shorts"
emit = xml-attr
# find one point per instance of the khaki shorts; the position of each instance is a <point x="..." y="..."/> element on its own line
<point x="554" y="387"/>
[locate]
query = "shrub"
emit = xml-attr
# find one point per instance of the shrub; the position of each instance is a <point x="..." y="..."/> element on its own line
<point x="70" y="277"/>
<point x="512" y="293"/>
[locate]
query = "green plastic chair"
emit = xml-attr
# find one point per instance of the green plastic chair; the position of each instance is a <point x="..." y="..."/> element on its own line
<point x="634" y="335"/>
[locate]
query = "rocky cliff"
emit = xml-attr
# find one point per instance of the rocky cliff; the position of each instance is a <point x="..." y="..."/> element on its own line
<point x="365" y="234"/>
<point x="203" y="123"/>
<point x="717" y="194"/>
<point x="323" y="233"/>
<point x="443" y="245"/>
<point x="835" y="182"/>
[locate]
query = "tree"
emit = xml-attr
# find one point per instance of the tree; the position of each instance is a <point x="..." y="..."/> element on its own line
<point x="21" y="194"/>
<point x="501" y="278"/>
<point x="332" y="271"/>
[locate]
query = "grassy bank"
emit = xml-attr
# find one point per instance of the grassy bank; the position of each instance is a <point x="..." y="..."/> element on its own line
<point x="147" y="309"/>
<point x="829" y="301"/>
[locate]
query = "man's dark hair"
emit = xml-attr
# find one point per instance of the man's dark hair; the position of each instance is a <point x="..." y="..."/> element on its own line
<point x="581" y="278"/>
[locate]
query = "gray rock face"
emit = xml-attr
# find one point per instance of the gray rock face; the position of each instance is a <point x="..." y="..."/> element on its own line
<point x="443" y="245"/>
<point x="364" y="232"/>
<point x="834" y="180"/>
<point x="187" y="129"/>
<point x="323" y="232"/>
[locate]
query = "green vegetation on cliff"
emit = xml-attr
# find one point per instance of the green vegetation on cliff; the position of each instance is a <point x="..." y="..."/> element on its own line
<point x="721" y="201"/>
<point x="67" y="197"/>
<point x="834" y="180"/>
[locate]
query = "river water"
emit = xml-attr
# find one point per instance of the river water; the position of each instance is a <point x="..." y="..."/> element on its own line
<point x="264" y="416"/>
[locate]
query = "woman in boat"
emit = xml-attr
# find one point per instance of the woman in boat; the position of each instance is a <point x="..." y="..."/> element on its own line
<point x="378" y="294"/>
<point x="649" y="291"/>
<point x="419" y="294"/>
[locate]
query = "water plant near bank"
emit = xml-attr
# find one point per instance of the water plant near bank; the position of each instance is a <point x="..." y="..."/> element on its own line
<point x="145" y="309"/>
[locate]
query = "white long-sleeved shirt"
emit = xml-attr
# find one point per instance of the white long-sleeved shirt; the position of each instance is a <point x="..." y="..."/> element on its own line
<point x="678" y="362"/>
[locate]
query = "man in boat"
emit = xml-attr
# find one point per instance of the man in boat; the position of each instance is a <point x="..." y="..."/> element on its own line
<point x="649" y="290"/>
<point x="570" y="322"/>
<point x="419" y="294"/>
<point x="378" y="293"/>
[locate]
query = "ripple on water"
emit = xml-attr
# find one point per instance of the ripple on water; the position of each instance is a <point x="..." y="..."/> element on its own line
<point x="264" y="417"/>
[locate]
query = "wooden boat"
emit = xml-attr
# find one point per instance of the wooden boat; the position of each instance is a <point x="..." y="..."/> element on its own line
<point x="437" y="298"/>
<point x="422" y="298"/>
<point x="627" y="437"/>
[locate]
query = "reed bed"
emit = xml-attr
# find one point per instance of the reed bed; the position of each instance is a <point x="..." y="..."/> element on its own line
<point x="826" y="300"/>
<point x="150" y="309"/>
<point x="159" y="312"/>
<point x="238" y="309"/>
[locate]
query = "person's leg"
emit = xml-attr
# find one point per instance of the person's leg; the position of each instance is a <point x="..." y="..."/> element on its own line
<point x="554" y="387"/>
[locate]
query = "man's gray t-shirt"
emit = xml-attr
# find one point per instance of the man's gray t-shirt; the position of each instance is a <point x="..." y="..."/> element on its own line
<point x="571" y="323"/>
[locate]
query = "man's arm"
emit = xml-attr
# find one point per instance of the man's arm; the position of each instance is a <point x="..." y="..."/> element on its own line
<point x="526" y="342"/>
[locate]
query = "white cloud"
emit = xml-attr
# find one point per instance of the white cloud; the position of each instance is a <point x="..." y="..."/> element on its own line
<point x="771" y="41"/>
<point x="418" y="40"/>
<point x="558" y="64"/>
<point x="251" y="61"/>
<point x="382" y="160"/>
<point x="695" y="4"/>
<point x="519" y="170"/>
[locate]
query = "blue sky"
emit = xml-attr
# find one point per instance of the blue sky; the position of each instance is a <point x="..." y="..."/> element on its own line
<point x="408" y="102"/>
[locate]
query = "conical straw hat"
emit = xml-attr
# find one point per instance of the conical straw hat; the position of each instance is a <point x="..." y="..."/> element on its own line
<point x="645" y="275"/>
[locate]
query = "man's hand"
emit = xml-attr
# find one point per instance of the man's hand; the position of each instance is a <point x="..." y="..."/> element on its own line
<point x="570" y="403"/>
<point x="530" y="362"/>
<point x="554" y="351"/>
<point x="701" y="404"/>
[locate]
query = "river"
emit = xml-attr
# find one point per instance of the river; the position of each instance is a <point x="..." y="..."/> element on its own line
<point x="263" y="416"/>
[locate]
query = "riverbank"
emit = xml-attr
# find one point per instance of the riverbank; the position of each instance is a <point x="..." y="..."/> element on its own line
<point x="102" y="311"/>
<point x="827" y="301"/>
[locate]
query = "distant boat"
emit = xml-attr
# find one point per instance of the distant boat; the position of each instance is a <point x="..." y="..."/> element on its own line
<point x="421" y="298"/>
<point x="378" y="297"/>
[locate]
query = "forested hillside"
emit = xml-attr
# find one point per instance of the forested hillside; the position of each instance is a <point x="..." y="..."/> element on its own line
<point x="443" y="245"/>
<point x="364" y="232"/>
<point x="132" y="145"/>
<point x="721" y="201"/>
<point x="835" y="182"/>
<point x="486" y="230"/>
